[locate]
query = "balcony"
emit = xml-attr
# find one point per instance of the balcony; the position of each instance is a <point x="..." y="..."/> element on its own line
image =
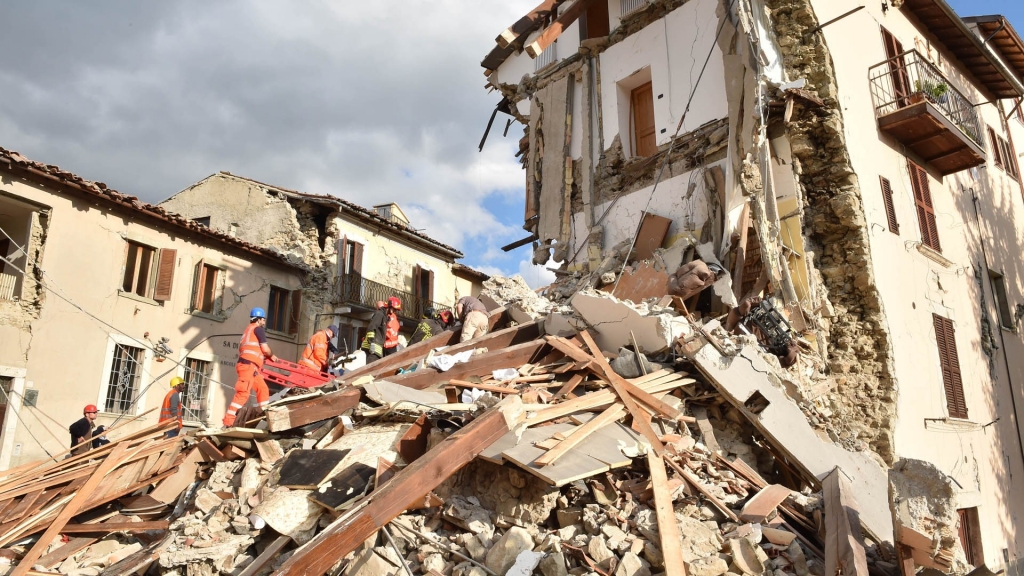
<point x="7" y="285"/>
<point x="354" y="289"/>
<point x="920" y="108"/>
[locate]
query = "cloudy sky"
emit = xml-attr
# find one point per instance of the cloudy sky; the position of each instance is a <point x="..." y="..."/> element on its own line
<point x="372" y="101"/>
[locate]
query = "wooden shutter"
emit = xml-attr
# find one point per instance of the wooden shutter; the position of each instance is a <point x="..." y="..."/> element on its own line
<point x="343" y="256"/>
<point x="199" y="277"/>
<point x="642" y="102"/>
<point x="996" y="152"/>
<point x="925" y="210"/>
<point x="952" y="381"/>
<point x="296" y="310"/>
<point x="357" y="258"/>
<point x="594" y="23"/>
<point x="165" y="274"/>
<point x="890" y="208"/>
<point x="430" y="286"/>
<point x="417" y="274"/>
<point x="970" y="537"/>
<point x="1009" y="158"/>
<point x="897" y="68"/>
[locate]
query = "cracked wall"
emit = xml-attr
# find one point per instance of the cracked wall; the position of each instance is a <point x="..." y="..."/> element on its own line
<point x="17" y="316"/>
<point x="859" y="350"/>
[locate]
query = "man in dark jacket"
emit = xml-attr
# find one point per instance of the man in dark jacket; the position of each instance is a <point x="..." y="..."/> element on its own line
<point x="430" y="326"/>
<point x="373" y="342"/>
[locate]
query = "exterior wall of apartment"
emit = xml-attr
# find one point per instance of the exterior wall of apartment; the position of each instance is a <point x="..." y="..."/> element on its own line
<point x="983" y="453"/>
<point x="66" y="355"/>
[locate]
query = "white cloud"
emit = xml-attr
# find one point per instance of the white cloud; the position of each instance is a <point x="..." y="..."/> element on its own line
<point x="535" y="276"/>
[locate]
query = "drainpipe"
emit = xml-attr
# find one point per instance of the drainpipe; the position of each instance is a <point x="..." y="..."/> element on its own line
<point x="1002" y="341"/>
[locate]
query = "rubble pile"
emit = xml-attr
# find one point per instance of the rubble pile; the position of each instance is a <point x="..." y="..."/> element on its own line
<point x="576" y="450"/>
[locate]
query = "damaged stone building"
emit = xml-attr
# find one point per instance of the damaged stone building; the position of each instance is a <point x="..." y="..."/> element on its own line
<point x="106" y="298"/>
<point x="856" y="163"/>
<point x="358" y="256"/>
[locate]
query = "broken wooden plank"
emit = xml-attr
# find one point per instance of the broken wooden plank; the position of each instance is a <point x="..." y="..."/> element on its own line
<point x="308" y="469"/>
<point x="69" y="549"/>
<point x="305" y="412"/>
<point x="266" y="557"/>
<point x="525" y="25"/>
<point x="237" y="433"/>
<point x="108" y="527"/>
<point x="113" y="459"/>
<point x="668" y="529"/>
<point x="844" y="543"/>
<point x="580" y="434"/>
<point x="170" y="488"/>
<point x="485" y="387"/>
<point x="762" y="504"/>
<point x="569" y="386"/>
<point x="706" y="431"/>
<point x="551" y="33"/>
<point x="700" y="488"/>
<point x="408" y="486"/>
<point x="270" y="450"/>
<point x="575" y="466"/>
<point x="342" y="490"/>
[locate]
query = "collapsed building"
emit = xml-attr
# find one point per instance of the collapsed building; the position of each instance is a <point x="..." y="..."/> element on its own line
<point x="796" y="143"/>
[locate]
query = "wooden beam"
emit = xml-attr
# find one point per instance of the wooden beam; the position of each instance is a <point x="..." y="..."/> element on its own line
<point x="700" y="488"/>
<point x="620" y="385"/>
<point x="525" y="25"/>
<point x="108" y="527"/>
<point x="295" y="414"/>
<point x="403" y="490"/>
<point x="62" y="553"/>
<point x="668" y="529"/>
<point x="487" y="387"/>
<point x="844" y="543"/>
<point x="112" y="460"/>
<point x="551" y="33"/>
<point x="268" y="554"/>
<point x="611" y="414"/>
<point x="761" y="505"/>
<point x="569" y="386"/>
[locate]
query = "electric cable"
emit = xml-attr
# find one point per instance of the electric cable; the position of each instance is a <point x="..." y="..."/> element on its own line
<point x="17" y="413"/>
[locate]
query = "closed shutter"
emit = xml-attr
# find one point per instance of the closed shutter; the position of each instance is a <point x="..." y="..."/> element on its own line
<point x="430" y="286"/>
<point x="293" y="318"/>
<point x="1009" y="159"/>
<point x="643" y="120"/>
<point x="925" y="210"/>
<point x="343" y="256"/>
<point x="970" y="537"/>
<point x="198" y="280"/>
<point x="952" y="381"/>
<point x="595" y="22"/>
<point x="165" y="274"/>
<point x="890" y="208"/>
<point x="417" y="273"/>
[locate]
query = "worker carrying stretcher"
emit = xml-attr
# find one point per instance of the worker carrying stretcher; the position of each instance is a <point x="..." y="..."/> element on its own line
<point x="251" y="353"/>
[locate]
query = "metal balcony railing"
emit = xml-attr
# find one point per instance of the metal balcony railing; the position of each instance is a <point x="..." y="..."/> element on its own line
<point x="354" y="289"/>
<point x="7" y="284"/>
<point x="908" y="79"/>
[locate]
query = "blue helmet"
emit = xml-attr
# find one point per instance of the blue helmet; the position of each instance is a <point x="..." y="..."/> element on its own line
<point x="258" y="313"/>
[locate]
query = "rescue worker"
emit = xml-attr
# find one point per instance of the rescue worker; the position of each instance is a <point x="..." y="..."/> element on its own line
<point x="82" y="430"/>
<point x="430" y="326"/>
<point x="251" y="352"/>
<point x="316" y="356"/>
<point x="171" y="409"/>
<point x="447" y="319"/>
<point x="392" y="326"/>
<point x="473" y="315"/>
<point x="373" y="342"/>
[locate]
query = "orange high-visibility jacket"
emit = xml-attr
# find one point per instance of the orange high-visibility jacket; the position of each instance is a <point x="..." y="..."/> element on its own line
<point x="250" y="349"/>
<point x="167" y="413"/>
<point x="315" y="354"/>
<point x="391" y="334"/>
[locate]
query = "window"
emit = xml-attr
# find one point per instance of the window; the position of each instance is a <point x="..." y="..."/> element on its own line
<point x="124" y="379"/>
<point x="8" y="280"/>
<point x="890" y="208"/>
<point x="197" y="390"/>
<point x="422" y="289"/>
<point x="1017" y="112"/>
<point x="204" y="220"/>
<point x="350" y="257"/>
<point x="999" y="292"/>
<point x="949" y="360"/>
<point x="149" y="272"/>
<point x="594" y="23"/>
<point x="642" y="117"/>
<point x="970" y="536"/>
<point x="283" y="310"/>
<point x="6" y="383"/>
<point x="546" y="57"/>
<point x="627" y="7"/>
<point x="897" y="68"/>
<point x="206" y="288"/>
<point x="925" y="210"/>
<point x="1003" y="155"/>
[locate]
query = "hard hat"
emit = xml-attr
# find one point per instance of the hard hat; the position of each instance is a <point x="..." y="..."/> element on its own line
<point x="446" y="316"/>
<point x="333" y="328"/>
<point x="381" y="304"/>
<point x="176" y="381"/>
<point x="258" y="313"/>
<point x="429" y="312"/>
<point x="395" y="302"/>
<point x="90" y="408"/>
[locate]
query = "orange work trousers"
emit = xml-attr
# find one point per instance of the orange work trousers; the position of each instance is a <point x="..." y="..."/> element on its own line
<point x="249" y="377"/>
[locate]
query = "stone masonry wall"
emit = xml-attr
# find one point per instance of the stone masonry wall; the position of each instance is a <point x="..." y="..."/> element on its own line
<point x="859" y="350"/>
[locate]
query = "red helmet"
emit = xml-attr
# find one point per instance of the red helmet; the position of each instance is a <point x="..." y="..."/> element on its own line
<point x="90" y="408"/>
<point x="446" y="317"/>
<point x="395" y="302"/>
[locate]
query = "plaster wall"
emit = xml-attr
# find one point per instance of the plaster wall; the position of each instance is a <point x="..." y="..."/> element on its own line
<point x="983" y="453"/>
<point x="69" y="353"/>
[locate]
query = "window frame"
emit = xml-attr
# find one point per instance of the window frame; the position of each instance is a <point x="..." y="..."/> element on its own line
<point x="288" y="304"/>
<point x="113" y="341"/>
<point x="199" y="273"/>
<point x="134" y="249"/>
<point x="1002" y="302"/>
<point x="204" y="412"/>
<point x="969" y="534"/>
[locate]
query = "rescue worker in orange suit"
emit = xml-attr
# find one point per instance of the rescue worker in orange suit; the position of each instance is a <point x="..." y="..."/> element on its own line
<point x="251" y="353"/>
<point x="316" y="356"/>
<point x="373" y="342"/>
<point x="171" y="409"/>
<point x="393" y="326"/>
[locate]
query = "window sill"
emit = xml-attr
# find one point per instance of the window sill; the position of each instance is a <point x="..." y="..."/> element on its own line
<point x="1009" y="329"/>
<point x="137" y="298"/>
<point x="934" y="255"/>
<point x="282" y="336"/>
<point x="207" y="315"/>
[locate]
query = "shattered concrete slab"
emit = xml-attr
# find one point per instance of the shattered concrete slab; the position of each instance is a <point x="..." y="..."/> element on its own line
<point x="745" y="381"/>
<point x="613" y="320"/>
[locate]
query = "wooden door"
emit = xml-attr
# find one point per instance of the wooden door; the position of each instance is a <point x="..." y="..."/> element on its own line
<point x="642" y="103"/>
<point x="897" y="68"/>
